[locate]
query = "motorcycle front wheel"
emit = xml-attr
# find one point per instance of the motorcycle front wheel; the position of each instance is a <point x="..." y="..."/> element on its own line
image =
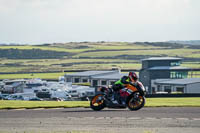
<point x="135" y="102"/>
<point x="97" y="103"/>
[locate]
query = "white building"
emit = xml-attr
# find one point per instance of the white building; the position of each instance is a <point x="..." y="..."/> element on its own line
<point x="13" y="86"/>
<point x="95" y="78"/>
<point x="187" y="85"/>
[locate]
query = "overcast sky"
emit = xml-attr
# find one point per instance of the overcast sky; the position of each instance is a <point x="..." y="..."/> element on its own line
<point x="51" y="21"/>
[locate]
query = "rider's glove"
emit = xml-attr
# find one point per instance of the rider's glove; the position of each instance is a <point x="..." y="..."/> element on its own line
<point x="133" y="84"/>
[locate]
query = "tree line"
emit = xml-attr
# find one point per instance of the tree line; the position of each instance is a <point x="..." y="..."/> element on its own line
<point x="31" y="54"/>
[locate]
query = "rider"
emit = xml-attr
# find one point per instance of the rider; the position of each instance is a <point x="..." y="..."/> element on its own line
<point x="120" y="84"/>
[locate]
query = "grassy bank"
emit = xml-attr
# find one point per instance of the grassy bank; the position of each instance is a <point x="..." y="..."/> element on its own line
<point x="173" y="102"/>
<point x="5" y="104"/>
<point x="93" y="56"/>
<point x="32" y="75"/>
<point x="150" y="102"/>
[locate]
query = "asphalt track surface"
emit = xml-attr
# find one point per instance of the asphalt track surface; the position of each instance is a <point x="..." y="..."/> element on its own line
<point x="78" y="120"/>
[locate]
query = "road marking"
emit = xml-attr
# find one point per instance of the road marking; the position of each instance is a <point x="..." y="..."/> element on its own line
<point x="73" y="118"/>
<point x="118" y="118"/>
<point x="182" y="118"/>
<point x="99" y="118"/>
<point x="19" y="109"/>
<point x="38" y="109"/>
<point x="166" y="118"/>
<point x="196" y="119"/>
<point x="54" y="108"/>
<point x="131" y="118"/>
<point x="150" y="118"/>
<point x="134" y="118"/>
<point x="90" y="118"/>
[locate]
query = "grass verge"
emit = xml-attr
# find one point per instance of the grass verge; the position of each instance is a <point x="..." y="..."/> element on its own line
<point x="150" y="102"/>
<point x="10" y="104"/>
<point x="32" y="75"/>
<point x="173" y="102"/>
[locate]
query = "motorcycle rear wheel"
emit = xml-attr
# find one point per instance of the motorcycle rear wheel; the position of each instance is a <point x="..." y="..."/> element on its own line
<point x="135" y="103"/>
<point x="97" y="103"/>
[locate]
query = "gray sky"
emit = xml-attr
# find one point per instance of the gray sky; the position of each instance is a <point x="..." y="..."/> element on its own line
<point x="49" y="21"/>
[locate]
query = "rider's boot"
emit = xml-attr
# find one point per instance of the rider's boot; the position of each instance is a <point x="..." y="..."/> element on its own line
<point x="122" y="102"/>
<point x="113" y="99"/>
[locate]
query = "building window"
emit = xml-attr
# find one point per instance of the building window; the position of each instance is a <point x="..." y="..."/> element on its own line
<point x="84" y="80"/>
<point x="77" y="80"/>
<point x="158" y="88"/>
<point x="153" y="90"/>
<point x="69" y="80"/>
<point x="180" y="89"/>
<point x="178" y="75"/>
<point x="94" y="82"/>
<point x="103" y="82"/>
<point x="167" y="89"/>
<point x="112" y="82"/>
<point x="175" y="63"/>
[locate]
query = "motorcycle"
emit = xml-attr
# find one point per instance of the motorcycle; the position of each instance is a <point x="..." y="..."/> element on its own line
<point x="131" y="96"/>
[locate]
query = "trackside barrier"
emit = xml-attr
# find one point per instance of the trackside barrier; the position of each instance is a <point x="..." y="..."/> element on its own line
<point x="173" y="95"/>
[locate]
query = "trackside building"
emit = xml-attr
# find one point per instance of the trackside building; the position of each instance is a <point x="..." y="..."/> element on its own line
<point x="95" y="78"/>
<point x="161" y="68"/>
<point x="187" y="85"/>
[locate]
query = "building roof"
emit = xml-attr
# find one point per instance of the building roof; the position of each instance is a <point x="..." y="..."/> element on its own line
<point x="178" y="81"/>
<point x="90" y="73"/>
<point x="114" y="76"/>
<point x="161" y="58"/>
<point x="169" y="68"/>
<point x="15" y="80"/>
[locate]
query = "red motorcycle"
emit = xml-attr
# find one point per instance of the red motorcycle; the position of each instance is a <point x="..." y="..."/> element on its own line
<point x="132" y="96"/>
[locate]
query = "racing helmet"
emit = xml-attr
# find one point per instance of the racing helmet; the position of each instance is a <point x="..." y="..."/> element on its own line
<point x="133" y="76"/>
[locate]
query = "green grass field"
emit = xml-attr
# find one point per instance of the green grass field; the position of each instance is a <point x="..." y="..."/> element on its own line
<point x="150" y="102"/>
<point x="173" y="102"/>
<point x="32" y="75"/>
<point x="171" y="52"/>
<point x="92" y="56"/>
<point x="35" y="75"/>
<point x="4" y="104"/>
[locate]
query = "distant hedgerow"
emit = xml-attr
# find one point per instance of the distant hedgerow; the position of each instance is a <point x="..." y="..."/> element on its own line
<point x="31" y="54"/>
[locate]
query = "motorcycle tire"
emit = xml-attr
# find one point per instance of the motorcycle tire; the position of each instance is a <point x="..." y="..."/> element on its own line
<point x="134" y="104"/>
<point x="97" y="104"/>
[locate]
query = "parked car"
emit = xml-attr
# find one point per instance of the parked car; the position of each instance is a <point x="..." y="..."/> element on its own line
<point x="35" y="99"/>
<point x="57" y="99"/>
<point x="3" y="96"/>
<point x="15" y="97"/>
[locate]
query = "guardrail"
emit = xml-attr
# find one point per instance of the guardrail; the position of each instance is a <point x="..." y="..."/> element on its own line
<point x="173" y="95"/>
